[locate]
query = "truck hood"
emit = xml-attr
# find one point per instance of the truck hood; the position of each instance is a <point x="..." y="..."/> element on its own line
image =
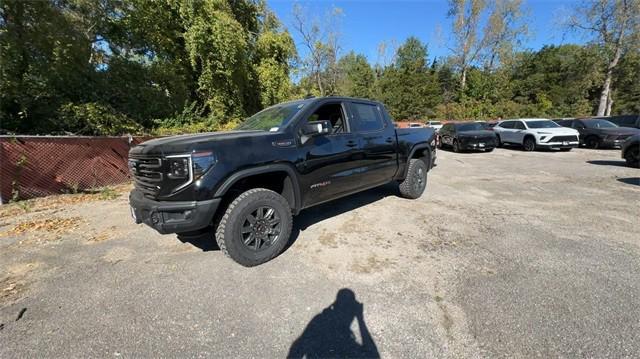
<point x="186" y="143"/>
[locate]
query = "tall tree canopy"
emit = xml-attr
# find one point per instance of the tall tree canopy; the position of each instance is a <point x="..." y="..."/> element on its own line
<point x="65" y="61"/>
<point x="408" y="87"/>
<point x="102" y="67"/>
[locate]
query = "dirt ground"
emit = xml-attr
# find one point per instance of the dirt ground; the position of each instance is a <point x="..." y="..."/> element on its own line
<point x="508" y="254"/>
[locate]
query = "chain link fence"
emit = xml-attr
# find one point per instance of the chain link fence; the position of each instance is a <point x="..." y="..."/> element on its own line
<point x="35" y="166"/>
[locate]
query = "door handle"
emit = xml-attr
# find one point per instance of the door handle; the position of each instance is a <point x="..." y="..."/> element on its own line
<point x="351" y="143"/>
<point x="389" y="140"/>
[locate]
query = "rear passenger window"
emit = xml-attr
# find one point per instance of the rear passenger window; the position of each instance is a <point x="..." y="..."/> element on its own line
<point x="508" y="124"/>
<point x="518" y="125"/>
<point x="367" y="118"/>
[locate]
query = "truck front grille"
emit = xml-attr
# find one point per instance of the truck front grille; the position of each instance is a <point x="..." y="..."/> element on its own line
<point x="147" y="175"/>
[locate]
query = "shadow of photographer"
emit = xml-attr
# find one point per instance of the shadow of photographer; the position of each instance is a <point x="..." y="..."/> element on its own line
<point x="329" y="334"/>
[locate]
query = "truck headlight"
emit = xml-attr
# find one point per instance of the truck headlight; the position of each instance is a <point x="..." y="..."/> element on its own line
<point x="178" y="167"/>
<point x="202" y="162"/>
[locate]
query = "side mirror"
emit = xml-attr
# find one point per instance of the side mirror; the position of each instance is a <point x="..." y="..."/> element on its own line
<point x="314" y="128"/>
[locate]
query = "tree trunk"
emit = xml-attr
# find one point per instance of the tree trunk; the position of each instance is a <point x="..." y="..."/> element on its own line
<point x="319" y="81"/>
<point x="463" y="80"/>
<point x="609" y="104"/>
<point x="604" y="95"/>
<point x="606" y="87"/>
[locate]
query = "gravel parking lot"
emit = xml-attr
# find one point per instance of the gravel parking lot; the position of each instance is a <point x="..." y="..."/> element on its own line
<point x="508" y="253"/>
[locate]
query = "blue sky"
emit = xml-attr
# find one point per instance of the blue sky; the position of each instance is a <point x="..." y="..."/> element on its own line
<point x="365" y="23"/>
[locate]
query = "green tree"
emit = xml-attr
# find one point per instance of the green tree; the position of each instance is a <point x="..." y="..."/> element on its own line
<point x="408" y="87"/>
<point x="276" y="50"/>
<point x="357" y="78"/>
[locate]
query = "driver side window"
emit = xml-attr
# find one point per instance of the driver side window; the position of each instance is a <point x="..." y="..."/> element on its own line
<point x="333" y="113"/>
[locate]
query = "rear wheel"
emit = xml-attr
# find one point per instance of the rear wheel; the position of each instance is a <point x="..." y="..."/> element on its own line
<point x="592" y="142"/>
<point x="632" y="156"/>
<point x="255" y="227"/>
<point x="416" y="181"/>
<point x="498" y="142"/>
<point x="529" y="144"/>
<point x="456" y="147"/>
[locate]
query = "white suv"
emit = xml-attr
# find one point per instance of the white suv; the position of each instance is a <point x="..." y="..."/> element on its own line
<point x="436" y="125"/>
<point x="532" y="133"/>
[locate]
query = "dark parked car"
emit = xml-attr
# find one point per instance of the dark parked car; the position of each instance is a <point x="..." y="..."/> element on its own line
<point x="596" y="133"/>
<point x="624" y="120"/>
<point x="248" y="183"/>
<point x="631" y="151"/>
<point x="467" y="136"/>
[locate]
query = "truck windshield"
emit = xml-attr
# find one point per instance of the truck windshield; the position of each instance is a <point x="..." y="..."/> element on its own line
<point x="272" y="118"/>
<point x="473" y="126"/>
<point x="599" y="124"/>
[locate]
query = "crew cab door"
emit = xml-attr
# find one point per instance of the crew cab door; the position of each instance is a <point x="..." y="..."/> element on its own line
<point x="330" y="162"/>
<point x="378" y="143"/>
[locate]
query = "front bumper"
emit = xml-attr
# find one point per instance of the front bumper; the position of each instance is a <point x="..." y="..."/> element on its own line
<point x="564" y="144"/>
<point x="172" y="217"/>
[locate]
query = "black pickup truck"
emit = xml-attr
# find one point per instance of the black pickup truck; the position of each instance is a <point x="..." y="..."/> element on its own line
<point x="246" y="184"/>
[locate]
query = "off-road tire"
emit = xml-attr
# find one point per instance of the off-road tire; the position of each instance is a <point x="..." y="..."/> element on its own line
<point x="529" y="144"/>
<point x="228" y="232"/>
<point x="410" y="188"/>
<point x="632" y="157"/>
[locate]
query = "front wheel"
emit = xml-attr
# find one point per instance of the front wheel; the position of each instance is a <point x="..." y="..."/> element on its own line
<point x="565" y="149"/>
<point x="255" y="227"/>
<point x="529" y="144"/>
<point x="498" y="142"/>
<point x="416" y="181"/>
<point x="592" y="142"/>
<point x="456" y="146"/>
<point x="632" y="156"/>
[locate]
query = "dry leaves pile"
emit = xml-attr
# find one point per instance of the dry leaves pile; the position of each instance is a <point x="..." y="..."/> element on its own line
<point x="55" y="226"/>
<point x="52" y="202"/>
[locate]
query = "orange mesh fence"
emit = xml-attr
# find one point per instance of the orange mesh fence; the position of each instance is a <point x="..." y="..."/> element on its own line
<point x="34" y="166"/>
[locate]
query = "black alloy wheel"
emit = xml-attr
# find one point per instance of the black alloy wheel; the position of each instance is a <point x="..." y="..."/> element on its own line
<point x="415" y="183"/>
<point x="632" y="156"/>
<point x="592" y="142"/>
<point x="255" y="227"/>
<point x="261" y="228"/>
